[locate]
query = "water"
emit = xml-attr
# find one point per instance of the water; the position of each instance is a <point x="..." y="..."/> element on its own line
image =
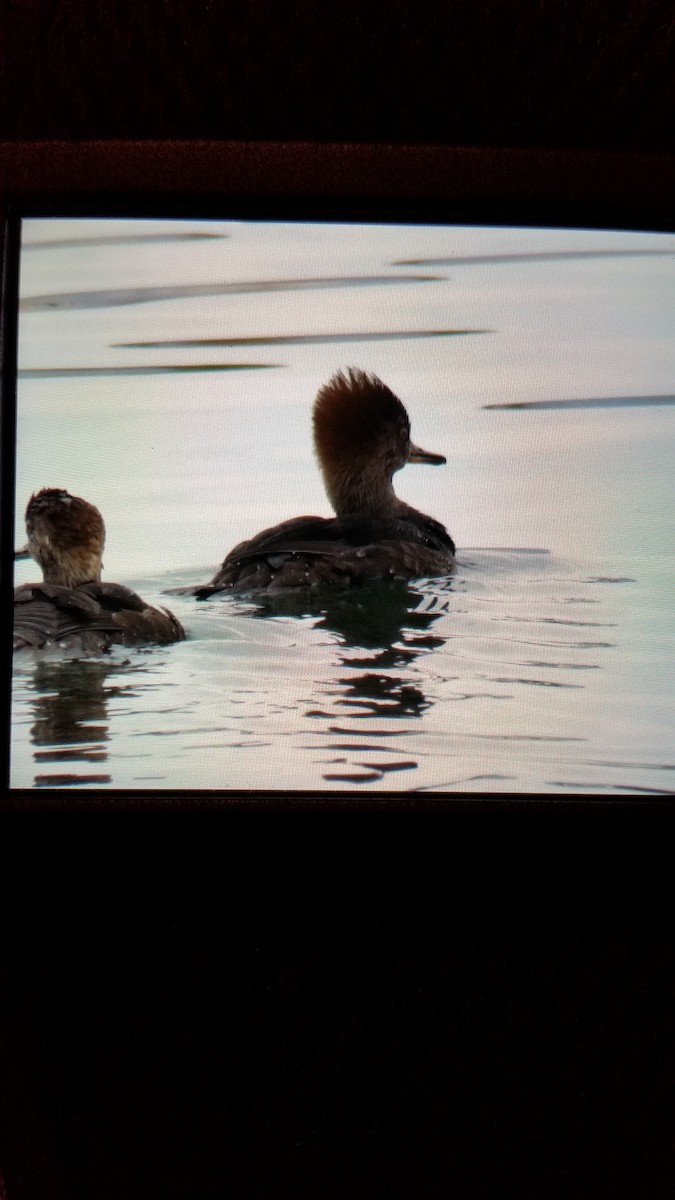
<point x="169" y="379"/>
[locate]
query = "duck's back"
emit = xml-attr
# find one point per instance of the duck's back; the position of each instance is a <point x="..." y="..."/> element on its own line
<point x="89" y="618"/>
<point x="343" y="552"/>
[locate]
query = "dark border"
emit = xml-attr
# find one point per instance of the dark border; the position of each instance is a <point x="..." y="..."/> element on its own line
<point x="544" y="187"/>
<point x="91" y="800"/>
<point x="320" y="181"/>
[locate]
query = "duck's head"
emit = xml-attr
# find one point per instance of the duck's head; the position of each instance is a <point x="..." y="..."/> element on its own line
<point x="66" y="536"/>
<point x="362" y="437"/>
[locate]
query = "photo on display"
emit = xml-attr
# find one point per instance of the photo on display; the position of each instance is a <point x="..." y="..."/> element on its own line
<point x="457" y="443"/>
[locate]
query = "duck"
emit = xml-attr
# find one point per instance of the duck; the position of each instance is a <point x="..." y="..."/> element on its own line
<point x="71" y="607"/>
<point x="361" y="439"/>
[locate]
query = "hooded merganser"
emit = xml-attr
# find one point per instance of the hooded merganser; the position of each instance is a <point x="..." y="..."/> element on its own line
<point x="72" y="607"/>
<point x="361" y="437"/>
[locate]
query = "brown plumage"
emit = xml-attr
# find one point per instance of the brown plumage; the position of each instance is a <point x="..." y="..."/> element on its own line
<point x="361" y="437"/>
<point x="72" y="608"/>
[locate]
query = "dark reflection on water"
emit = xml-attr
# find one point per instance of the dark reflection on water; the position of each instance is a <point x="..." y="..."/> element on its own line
<point x="582" y="786"/>
<point x="122" y="239"/>
<point x="523" y="737"/>
<point x="387" y="627"/>
<point x="113" y="297"/>
<point x="600" y="402"/>
<point x="546" y="683"/>
<point x="476" y="260"/>
<point x="373" y="616"/>
<point x="304" y="339"/>
<point x="70" y="718"/>
<point x="163" y="369"/>
<point x="383" y="696"/>
<point x="370" y="772"/>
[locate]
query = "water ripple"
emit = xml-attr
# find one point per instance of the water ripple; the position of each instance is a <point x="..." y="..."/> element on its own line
<point x="114" y="297"/>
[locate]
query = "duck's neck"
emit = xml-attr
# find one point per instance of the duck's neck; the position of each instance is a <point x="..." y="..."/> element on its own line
<point x="354" y="495"/>
<point x="69" y="570"/>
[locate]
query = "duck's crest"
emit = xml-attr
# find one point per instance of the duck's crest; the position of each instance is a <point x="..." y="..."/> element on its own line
<point x="361" y="437"/>
<point x="351" y="412"/>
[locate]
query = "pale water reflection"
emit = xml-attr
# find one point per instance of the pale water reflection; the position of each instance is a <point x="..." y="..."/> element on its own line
<point x="543" y="369"/>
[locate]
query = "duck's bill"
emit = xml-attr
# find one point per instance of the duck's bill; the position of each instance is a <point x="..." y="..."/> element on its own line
<point x="425" y="456"/>
<point x="24" y="552"/>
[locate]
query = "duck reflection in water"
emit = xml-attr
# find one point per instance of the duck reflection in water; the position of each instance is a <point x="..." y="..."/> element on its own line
<point x="361" y="438"/>
<point x="70" y="729"/>
<point x="72" y="608"/>
<point x="382" y="629"/>
<point x="364" y="732"/>
<point x="387" y="621"/>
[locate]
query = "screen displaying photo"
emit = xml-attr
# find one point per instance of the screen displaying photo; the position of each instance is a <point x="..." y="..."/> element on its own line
<point x="167" y="376"/>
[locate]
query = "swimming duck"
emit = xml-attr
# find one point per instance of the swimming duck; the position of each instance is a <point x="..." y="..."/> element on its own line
<point x="361" y="438"/>
<point x="72" y="608"/>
